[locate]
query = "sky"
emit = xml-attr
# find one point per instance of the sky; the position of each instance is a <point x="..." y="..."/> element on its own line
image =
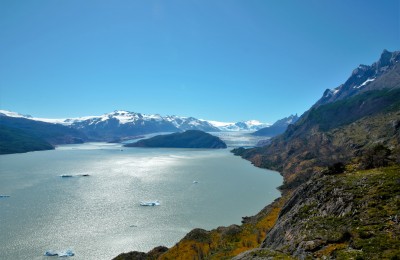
<point x="224" y="60"/>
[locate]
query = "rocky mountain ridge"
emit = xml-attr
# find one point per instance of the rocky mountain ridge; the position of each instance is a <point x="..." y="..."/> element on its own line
<point x="363" y="79"/>
<point x="314" y="140"/>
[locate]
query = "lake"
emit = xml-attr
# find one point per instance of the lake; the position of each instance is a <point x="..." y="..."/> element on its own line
<point x="100" y="216"/>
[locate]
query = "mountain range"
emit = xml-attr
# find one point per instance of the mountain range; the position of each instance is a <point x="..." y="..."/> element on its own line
<point x="143" y="123"/>
<point x="110" y="127"/>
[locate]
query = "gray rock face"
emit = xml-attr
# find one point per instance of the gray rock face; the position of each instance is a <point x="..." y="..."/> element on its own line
<point x="292" y="234"/>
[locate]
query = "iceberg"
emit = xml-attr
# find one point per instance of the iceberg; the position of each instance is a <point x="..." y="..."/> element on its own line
<point x="50" y="253"/>
<point x="150" y="203"/>
<point x="65" y="253"/>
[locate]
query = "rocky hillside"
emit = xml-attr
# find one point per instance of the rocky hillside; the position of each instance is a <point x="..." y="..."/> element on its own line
<point x="340" y="163"/>
<point x="187" y="139"/>
<point x="353" y="215"/>
<point x="335" y="131"/>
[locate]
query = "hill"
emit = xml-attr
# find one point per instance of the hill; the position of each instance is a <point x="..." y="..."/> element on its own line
<point x="187" y="139"/>
<point x="23" y="135"/>
<point x="13" y="140"/>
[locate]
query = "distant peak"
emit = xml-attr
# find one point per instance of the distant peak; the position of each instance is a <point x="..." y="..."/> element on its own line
<point x="385" y="57"/>
<point x="121" y="112"/>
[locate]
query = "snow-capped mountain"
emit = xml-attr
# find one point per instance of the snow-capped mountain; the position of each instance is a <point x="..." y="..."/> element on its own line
<point x="364" y="79"/>
<point x="251" y="125"/>
<point x="191" y="123"/>
<point x="121" y="123"/>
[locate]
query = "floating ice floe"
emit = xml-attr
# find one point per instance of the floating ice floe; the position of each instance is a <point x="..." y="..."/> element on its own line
<point x="150" y="203"/>
<point x="65" y="253"/>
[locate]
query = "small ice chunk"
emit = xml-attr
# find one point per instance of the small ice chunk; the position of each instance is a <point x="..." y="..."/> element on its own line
<point x="65" y="253"/>
<point x="150" y="203"/>
<point x="50" y="253"/>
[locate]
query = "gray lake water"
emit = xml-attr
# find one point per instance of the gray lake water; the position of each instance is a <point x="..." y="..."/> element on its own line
<point x="99" y="216"/>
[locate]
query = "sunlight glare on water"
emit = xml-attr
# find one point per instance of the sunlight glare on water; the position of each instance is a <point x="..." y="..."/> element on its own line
<point x="99" y="216"/>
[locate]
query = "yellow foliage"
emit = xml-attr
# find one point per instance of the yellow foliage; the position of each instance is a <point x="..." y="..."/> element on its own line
<point x="327" y="251"/>
<point x="224" y="245"/>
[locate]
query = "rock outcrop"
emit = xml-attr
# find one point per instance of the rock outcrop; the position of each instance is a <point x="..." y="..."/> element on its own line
<point x="346" y="216"/>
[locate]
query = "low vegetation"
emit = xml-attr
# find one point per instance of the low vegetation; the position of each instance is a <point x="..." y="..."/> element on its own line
<point x="353" y="215"/>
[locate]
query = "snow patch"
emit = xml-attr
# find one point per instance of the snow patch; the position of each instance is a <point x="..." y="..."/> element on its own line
<point x="12" y="114"/>
<point x="365" y="83"/>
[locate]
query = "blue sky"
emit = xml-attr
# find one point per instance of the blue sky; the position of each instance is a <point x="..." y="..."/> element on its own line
<point x="221" y="60"/>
